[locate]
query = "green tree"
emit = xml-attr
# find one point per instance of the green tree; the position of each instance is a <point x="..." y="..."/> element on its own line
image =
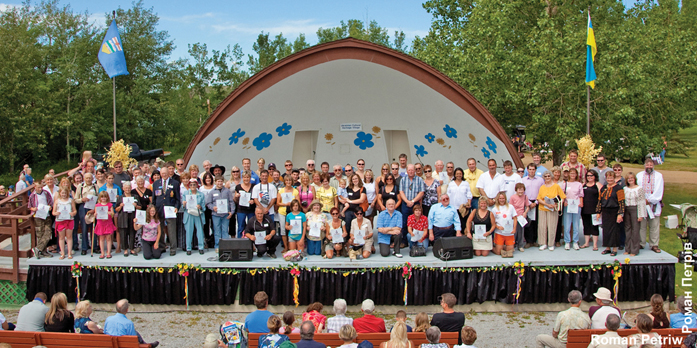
<point x="356" y="29"/>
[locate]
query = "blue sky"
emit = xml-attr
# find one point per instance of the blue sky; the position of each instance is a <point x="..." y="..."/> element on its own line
<point x="219" y="23"/>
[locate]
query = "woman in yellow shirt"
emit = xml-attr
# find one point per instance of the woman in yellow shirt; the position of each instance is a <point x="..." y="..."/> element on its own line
<point x="549" y="196"/>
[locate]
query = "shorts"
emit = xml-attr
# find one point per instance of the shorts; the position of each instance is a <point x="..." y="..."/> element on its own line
<point x="64" y="225"/>
<point x="504" y="240"/>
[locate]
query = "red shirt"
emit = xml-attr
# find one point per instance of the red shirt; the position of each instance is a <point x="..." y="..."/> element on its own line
<point x="420" y="225"/>
<point x="369" y="324"/>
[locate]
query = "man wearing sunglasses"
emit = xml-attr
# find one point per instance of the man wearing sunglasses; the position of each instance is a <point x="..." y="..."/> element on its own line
<point x="310" y="165"/>
<point x="601" y="168"/>
<point x="338" y="175"/>
<point x="289" y="168"/>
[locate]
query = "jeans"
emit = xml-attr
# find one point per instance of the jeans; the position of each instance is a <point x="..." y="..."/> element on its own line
<point x="86" y="228"/>
<point x="571" y="219"/>
<point x="314" y="247"/>
<point x="242" y="222"/>
<point x="220" y="228"/>
<point x="406" y="211"/>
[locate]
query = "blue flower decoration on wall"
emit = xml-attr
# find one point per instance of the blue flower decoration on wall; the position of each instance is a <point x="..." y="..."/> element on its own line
<point x="236" y="136"/>
<point x="450" y="131"/>
<point x="486" y="153"/>
<point x="490" y="143"/>
<point x="420" y="151"/>
<point x="430" y="137"/>
<point x="284" y="129"/>
<point x="363" y="140"/>
<point x="262" y="141"/>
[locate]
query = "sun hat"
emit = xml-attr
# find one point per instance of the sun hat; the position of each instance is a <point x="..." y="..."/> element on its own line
<point x="315" y="202"/>
<point x="194" y="181"/>
<point x="603" y="294"/>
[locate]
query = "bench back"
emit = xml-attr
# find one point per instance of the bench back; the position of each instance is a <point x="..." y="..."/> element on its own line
<point x="581" y="338"/>
<point x="333" y="340"/>
<point x="26" y="339"/>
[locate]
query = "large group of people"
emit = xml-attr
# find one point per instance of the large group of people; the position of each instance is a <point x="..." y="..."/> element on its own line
<point x="347" y="211"/>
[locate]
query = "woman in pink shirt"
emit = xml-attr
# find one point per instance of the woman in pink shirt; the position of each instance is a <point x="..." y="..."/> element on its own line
<point x="522" y="205"/>
<point x="572" y="208"/>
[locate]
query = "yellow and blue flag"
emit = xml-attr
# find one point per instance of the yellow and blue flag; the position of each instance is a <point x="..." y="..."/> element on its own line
<point x="591" y="50"/>
<point x="111" y="54"/>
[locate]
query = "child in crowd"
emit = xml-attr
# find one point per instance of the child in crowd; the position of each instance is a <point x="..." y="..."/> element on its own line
<point x="343" y="196"/>
<point x="64" y="210"/>
<point x="288" y="320"/>
<point x="296" y="236"/>
<point x="522" y="205"/>
<point x="105" y="227"/>
<point x="402" y="316"/>
<point x="469" y="336"/>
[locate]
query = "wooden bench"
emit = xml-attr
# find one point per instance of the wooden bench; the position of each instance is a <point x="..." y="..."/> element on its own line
<point x="582" y="338"/>
<point x="26" y="339"/>
<point x="333" y="340"/>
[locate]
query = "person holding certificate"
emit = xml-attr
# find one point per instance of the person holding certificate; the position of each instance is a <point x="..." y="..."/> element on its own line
<point x="221" y="202"/>
<point x="506" y="221"/>
<point x="194" y="206"/>
<point x="611" y="208"/>
<point x="548" y="196"/>
<point x="64" y="210"/>
<point x="572" y="209"/>
<point x="316" y="228"/>
<point x="126" y="208"/>
<point x="245" y="203"/>
<point x="361" y="238"/>
<point x="40" y="203"/>
<point x="152" y="231"/>
<point x="591" y="191"/>
<point x="337" y="234"/>
<point x="167" y="196"/>
<point x="296" y="225"/>
<point x="85" y="197"/>
<point x="286" y="195"/>
<point x="104" y="228"/>
<point x="262" y="233"/>
<point x="417" y="225"/>
<point x="481" y="221"/>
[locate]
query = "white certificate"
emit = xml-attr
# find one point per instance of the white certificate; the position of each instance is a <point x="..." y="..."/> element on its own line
<point x="358" y="238"/>
<point x="221" y="204"/>
<point x="90" y="201"/>
<point x="532" y="214"/>
<point x="170" y="213"/>
<point x="549" y="200"/>
<point x="315" y="229"/>
<point x="128" y="206"/>
<point x="522" y="221"/>
<point x="479" y="231"/>
<point x="417" y="235"/>
<point x="112" y="194"/>
<point x="286" y="197"/>
<point x="572" y="206"/>
<point x="650" y="213"/>
<point x="337" y="235"/>
<point x="191" y="202"/>
<point x="64" y="210"/>
<point x="296" y="226"/>
<point x="41" y="212"/>
<point x="102" y="212"/>
<point x="244" y="198"/>
<point x="260" y="235"/>
<point x="140" y="217"/>
<point x="597" y="219"/>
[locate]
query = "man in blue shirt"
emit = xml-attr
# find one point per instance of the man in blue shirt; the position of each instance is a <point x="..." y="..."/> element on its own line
<point x="119" y="325"/>
<point x="412" y="189"/>
<point x="247" y="167"/>
<point x="540" y="169"/>
<point x="683" y="319"/>
<point x="389" y="226"/>
<point x="255" y="322"/>
<point x="443" y="220"/>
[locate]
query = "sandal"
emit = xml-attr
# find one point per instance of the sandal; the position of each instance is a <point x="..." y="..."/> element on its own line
<point x="62" y="257"/>
<point x="70" y="256"/>
<point x="655" y="249"/>
<point x="584" y="246"/>
<point x="125" y="254"/>
<point x="605" y="252"/>
<point x="134" y="253"/>
<point x="108" y="256"/>
<point x="101" y="257"/>
<point x="614" y="253"/>
<point x="595" y="248"/>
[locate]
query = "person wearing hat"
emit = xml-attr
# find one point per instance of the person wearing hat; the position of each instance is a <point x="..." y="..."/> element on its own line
<point x="316" y="228"/>
<point x="193" y="215"/>
<point x="605" y="307"/>
<point x="218" y="170"/>
<point x="262" y="224"/>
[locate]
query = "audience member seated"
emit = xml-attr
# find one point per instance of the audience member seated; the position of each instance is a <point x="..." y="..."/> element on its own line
<point x="609" y="339"/>
<point x="605" y="307"/>
<point x="571" y="319"/>
<point x="119" y="325"/>
<point x="83" y="323"/>
<point x="644" y="324"/>
<point x="402" y="316"/>
<point x="313" y="314"/>
<point x="273" y="339"/>
<point x="59" y="318"/>
<point x="683" y="319"/>
<point x="449" y="320"/>
<point x="4" y="325"/>
<point x="469" y="336"/>
<point x="690" y="341"/>
<point x="307" y="335"/>
<point x="32" y="315"/>
<point x="433" y="337"/>
<point x="335" y="323"/>
<point x="421" y="322"/>
<point x="288" y="320"/>
<point x="398" y="337"/>
<point x="658" y="315"/>
<point x="369" y="323"/>
<point x="255" y="322"/>
<point x="348" y="334"/>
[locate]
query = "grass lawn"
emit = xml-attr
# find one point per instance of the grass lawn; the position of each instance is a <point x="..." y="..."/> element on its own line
<point x="676" y="194"/>
<point x="678" y="162"/>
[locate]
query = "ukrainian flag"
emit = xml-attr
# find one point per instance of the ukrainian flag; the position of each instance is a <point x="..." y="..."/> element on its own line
<point x="591" y="50"/>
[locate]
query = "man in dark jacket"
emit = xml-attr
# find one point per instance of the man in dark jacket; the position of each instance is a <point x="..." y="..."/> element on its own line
<point x="167" y="194"/>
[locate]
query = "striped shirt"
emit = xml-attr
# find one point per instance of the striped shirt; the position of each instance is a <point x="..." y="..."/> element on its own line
<point x="412" y="187"/>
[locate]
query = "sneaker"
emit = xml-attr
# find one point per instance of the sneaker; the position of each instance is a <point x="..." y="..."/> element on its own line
<point x="37" y="253"/>
<point x="200" y="251"/>
<point x="399" y="256"/>
<point x="273" y="256"/>
<point x="551" y="248"/>
<point x="359" y="257"/>
<point x="543" y="247"/>
<point x="521" y="250"/>
<point x="567" y="246"/>
<point x="576" y="247"/>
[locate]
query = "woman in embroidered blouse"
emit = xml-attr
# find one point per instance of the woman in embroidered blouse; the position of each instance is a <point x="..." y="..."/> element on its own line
<point x="611" y="207"/>
<point x="432" y="193"/>
<point x="634" y="212"/>
<point x="306" y="193"/>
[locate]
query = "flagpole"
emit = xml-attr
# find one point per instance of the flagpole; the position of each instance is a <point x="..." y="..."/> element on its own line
<point x="588" y="99"/>
<point x="113" y="84"/>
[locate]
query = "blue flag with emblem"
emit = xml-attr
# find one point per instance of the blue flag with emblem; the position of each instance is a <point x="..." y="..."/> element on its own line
<point x="111" y="53"/>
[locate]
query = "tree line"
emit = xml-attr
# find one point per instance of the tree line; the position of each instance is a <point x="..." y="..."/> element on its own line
<point x="524" y="60"/>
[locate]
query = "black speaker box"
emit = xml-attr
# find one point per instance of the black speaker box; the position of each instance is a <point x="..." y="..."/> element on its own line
<point x="453" y="248"/>
<point x="235" y="249"/>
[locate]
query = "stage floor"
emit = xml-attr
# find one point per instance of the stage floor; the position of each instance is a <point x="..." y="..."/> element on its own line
<point x="531" y="257"/>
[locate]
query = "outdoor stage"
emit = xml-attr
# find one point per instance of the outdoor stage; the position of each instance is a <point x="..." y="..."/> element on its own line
<point x="547" y="278"/>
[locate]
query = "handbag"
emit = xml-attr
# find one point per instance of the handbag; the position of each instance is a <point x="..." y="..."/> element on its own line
<point x="365" y="204"/>
<point x="417" y="250"/>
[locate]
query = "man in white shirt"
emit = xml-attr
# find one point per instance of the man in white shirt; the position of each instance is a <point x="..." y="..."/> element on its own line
<point x="490" y="184"/>
<point x="652" y="183"/>
<point x="510" y="179"/>
<point x="264" y="194"/>
<point x="441" y="174"/>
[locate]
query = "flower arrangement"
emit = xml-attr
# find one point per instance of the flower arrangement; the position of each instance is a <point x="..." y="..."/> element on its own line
<point x="183" y="269"/>
<point x="119" y="151"/>
<point x="76" y="269"/>
<point x="587" y="151"/>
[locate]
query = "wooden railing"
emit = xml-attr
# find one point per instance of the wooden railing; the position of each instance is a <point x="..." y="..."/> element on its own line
<point x="15" y="221"/>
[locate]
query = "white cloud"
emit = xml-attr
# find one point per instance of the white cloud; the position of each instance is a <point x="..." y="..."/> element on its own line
<point x="288" y="28"/>
<point x="97" y="19"/>
<point x="188" y="18"/>
<point x="407" y="32"/>
<point x="4" y="7"/>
